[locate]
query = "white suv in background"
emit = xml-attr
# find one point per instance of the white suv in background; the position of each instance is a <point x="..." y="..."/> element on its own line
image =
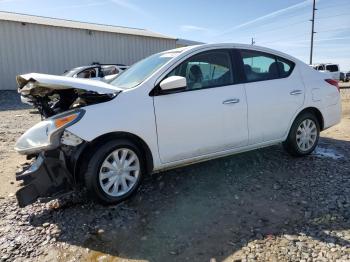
<point x="171" y="109"/>
<point x="332" y="69"/>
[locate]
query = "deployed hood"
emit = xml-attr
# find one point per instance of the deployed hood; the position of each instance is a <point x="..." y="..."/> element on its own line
<point x="53" y="94"/>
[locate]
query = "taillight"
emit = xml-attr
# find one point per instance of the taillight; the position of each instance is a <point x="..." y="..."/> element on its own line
<point x="333" y="83"/>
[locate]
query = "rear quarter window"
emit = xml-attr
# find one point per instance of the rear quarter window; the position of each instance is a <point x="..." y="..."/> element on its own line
<point x="332" y="68"/>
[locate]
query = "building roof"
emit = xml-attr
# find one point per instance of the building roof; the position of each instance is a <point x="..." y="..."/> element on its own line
<point x="41" y="20"/>
<point x="186" y="42"/>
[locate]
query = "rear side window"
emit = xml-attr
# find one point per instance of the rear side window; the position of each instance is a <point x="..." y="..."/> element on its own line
<point x="204" y="70"/>
<point x="260" y="66"/>
<point x="332" y="68"/>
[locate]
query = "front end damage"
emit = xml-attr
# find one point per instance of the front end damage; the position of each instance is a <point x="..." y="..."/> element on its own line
<point x="60" y="101"/>
<point x="52" y="173"/>
<point x="52" y="95"/>
<point x="47" y="177"/>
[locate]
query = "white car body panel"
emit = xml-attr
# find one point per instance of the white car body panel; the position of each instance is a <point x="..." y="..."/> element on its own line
<point x="179" y="133"/>
<point x="332" y="75"/>
<point x="198" y="122"/>
<point x="271" y="105"/>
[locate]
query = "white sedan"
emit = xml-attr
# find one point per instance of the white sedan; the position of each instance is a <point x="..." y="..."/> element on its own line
<point x="171" y="109"/>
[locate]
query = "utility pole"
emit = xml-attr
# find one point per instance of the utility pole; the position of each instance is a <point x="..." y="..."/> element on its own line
<point x="312" y="30"/>
<point x="253" y="41"/>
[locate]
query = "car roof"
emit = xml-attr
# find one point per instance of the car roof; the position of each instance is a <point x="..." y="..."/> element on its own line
<point x="233" y="45"/>
<point x="324" y="64"/>
<point x="95" y="65"/>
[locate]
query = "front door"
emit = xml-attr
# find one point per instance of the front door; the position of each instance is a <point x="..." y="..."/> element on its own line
<point x="209" y="116"/>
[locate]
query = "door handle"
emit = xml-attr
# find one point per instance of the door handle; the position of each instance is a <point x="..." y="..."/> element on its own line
<point x="296" y="92"/>
<point x="231" y="101"/>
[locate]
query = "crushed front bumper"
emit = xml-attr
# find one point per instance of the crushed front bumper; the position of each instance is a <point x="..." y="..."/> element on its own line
<point x="47" y="177"/>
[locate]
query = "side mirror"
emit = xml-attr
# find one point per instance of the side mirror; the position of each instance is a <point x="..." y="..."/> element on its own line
<point x="173" y="83"/>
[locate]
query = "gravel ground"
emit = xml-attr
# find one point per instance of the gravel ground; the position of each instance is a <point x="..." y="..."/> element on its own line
<point x="258" y="206"/>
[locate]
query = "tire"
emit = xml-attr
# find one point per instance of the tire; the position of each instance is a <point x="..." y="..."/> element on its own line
<point x="294" y="143"/>
<point x="103" y="168"/>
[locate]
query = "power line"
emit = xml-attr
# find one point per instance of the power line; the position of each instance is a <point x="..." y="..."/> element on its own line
<point x="283" y="39"/>
<point x="329" y="6"/>
<point x="282" y="27"/>
<point x="285" y="16"/>
<point x="336" y="29"/>
<point x="331" y="16"/>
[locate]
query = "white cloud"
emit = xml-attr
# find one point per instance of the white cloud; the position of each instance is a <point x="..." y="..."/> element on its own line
<point x="6" y="1"/>
<point x="191" y="28"/>
<point x="132" y="7"/>
<point x="267" y="16"/>
<point x="91" y="4"/>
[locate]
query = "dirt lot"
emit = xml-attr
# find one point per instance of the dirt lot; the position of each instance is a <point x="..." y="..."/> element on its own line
<point x="258" y="206"/>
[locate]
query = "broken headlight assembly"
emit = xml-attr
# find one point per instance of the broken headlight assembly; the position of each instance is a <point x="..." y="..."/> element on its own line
<point x="46" y="134"/>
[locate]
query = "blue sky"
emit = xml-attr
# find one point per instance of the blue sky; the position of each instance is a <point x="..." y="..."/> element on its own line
<point x="279" y="24"/>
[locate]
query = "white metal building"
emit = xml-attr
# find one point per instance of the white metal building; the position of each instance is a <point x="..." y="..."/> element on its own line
<point x="48" y="45"/>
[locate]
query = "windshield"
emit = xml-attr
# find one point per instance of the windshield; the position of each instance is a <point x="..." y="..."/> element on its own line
<point x="137" y="73"/>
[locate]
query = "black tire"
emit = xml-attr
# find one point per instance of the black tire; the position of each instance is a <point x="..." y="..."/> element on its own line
<point x="91" y="175"/>
<point x="291" y="146"/>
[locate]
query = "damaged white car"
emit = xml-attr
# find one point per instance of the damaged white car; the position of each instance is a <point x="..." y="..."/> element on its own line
<point x="171" y="109"/>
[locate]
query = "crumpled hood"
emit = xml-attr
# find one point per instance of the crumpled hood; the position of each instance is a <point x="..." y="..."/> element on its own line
<point x="52" y="94"/>
<point x="54" y="82"/>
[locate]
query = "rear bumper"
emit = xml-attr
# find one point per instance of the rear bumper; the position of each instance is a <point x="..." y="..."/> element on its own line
<point x="47" y="177"/>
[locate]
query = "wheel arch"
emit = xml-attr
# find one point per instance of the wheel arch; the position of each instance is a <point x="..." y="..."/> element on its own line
<point x="316" y="112"/>
<point x="81" y="161"/>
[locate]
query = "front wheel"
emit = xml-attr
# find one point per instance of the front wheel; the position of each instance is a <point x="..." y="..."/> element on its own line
<point x="114" y="171"/>
<point x="303" y="135"/>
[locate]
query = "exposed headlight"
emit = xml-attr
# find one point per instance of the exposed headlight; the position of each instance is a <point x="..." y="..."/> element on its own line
<point x="46" y="134"/>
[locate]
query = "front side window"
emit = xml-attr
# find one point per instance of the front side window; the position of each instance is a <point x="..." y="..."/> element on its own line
<point x="260" y="66"/>
<point x="204" y="70"/>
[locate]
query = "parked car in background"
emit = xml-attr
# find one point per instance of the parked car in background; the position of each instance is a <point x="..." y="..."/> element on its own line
<point x="333" y="69"/>
<point x="96" y="71"/>
<point x="347" y="77"/>
<point x="171" y="109"/>
<point x="342" y="76"/>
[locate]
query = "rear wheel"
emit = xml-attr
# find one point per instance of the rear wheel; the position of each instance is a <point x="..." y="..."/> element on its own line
<point x="303" y="135"/>
<point x="114" y="171"/>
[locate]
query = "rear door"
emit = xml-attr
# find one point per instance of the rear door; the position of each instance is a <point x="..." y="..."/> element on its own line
<point x="209" y="116"/>
<point x="274" y="94"/>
